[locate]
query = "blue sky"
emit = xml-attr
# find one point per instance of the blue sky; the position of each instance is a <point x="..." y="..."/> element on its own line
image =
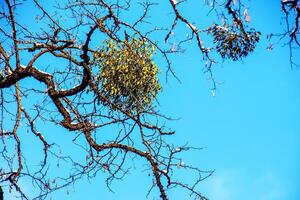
<point x="250" y="129"/>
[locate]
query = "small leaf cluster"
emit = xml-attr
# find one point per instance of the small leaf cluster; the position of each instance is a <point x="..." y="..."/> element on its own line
<point x="127" y="74"/>
<point x="233" y="44"/>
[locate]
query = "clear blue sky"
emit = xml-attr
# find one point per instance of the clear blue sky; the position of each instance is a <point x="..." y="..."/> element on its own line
<point x="250" y="129"/>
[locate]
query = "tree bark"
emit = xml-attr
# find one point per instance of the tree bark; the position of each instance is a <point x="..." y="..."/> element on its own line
<point x="1" y="193"/>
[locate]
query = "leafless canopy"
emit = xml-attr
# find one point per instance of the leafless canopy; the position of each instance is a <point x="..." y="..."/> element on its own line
<point x="291" y="10"/>
<point x="47" y="78"/>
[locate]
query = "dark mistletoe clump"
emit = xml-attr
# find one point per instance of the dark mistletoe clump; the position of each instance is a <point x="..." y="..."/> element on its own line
<point x="232" y="43"/>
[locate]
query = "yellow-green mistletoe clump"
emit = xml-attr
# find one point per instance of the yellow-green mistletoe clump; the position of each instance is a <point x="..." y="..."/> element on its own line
<point x="127" y="75"/>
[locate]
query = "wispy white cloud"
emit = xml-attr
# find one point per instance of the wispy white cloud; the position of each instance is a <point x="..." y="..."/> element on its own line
<point x="220" y="187"/>
<point x="272" y="187"/>
<point x="237" y="185"/>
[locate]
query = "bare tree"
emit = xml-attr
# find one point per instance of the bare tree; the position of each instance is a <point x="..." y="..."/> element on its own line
<point x="1" y="193"/>
<point x="291" y="10"/>
<point x="101" y="75"/>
